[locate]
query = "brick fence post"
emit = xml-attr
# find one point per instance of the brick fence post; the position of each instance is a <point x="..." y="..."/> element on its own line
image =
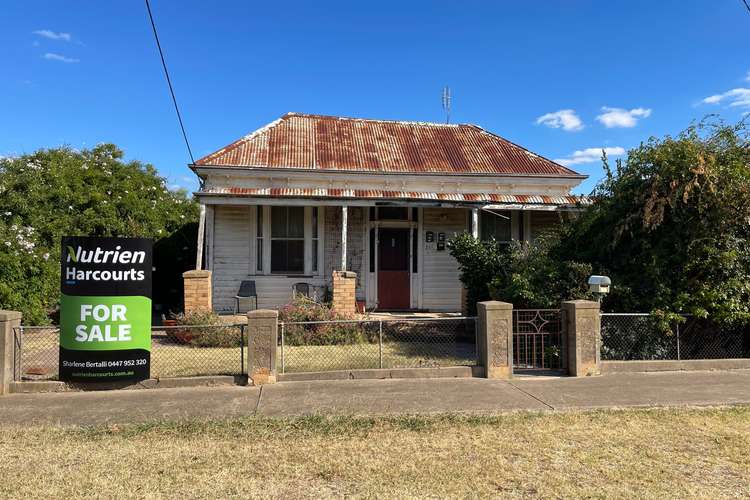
<point x="583" y="328"/>
<point x="344" y="292"/>
<point x="262" y="335"/>
<point x="9" y="320"/>
<point x="495" y="338"/>
<point x="197" y="285"/>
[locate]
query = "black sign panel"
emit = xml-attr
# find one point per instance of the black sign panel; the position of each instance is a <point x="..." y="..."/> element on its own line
<point x="105" y="308"/>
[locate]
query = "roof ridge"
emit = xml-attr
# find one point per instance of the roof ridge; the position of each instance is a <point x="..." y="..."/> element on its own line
<point x="376" y="120"/>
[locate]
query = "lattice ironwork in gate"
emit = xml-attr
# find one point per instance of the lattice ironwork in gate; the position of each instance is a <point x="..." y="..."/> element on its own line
<point x="538" y="339"/>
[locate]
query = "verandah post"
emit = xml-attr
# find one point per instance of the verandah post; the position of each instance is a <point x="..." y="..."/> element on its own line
<point x="344" y="224"/>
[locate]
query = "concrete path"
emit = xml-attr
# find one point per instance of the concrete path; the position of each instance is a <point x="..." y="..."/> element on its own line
<point x="381" y="397"/>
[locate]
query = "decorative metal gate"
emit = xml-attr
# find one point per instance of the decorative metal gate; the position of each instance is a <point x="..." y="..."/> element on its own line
<point x="538" y="339"/>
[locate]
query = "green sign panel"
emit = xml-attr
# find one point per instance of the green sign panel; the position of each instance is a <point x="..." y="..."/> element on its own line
<point x="105" y="309"/>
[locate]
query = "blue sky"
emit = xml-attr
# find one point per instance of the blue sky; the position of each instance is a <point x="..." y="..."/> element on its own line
<point x="563" y="78"/>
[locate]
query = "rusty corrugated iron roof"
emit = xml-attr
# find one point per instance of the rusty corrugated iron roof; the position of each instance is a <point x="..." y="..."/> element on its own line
<point x="314" y="142"/>
<point x="376" y="194"/>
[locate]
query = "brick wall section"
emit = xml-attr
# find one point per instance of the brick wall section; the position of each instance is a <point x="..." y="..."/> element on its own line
<point x="197" y="290"/>
<point x="344" y="291"/>
<point x="355" y="244"/>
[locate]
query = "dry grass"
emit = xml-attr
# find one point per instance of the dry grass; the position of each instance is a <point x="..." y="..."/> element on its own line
<point x="314" y="358"/>
<point x="699" y="453"/>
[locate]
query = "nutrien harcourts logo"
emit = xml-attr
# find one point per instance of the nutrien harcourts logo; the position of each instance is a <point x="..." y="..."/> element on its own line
<point x="117" y="256"/>
<point x="105" y="308"/>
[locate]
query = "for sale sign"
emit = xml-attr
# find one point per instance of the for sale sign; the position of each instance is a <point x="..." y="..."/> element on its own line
<point x="105" y="308"/>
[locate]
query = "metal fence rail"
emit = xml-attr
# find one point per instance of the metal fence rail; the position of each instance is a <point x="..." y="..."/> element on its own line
<point x="312" y="346"/>
<point x="642" y="336"/>
<point x="176" y="351"/>
<point x="538" y="339"/>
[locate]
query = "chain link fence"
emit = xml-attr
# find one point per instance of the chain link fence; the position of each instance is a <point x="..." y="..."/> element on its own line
<point x="188" y="351"/>
<point x="176" y="351"/>
<point x="36" y="352"/>
<point x="641" y="336"/>
<point x="314" y="346"/>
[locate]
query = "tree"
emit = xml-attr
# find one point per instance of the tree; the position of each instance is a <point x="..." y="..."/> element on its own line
<point x="671" y="225"/>
<point x="57" y="192"/>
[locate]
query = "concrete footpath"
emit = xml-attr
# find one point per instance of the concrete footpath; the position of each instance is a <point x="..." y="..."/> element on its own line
<point x="381" y="397"/>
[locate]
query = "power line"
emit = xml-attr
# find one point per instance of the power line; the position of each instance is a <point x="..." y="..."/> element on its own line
<point x="747" y="5"/>
<point x="169" y="82"/>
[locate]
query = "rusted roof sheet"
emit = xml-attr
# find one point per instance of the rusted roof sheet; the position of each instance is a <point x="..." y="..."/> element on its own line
<point x="314" y="142"/>
<point x="376" y="194"/>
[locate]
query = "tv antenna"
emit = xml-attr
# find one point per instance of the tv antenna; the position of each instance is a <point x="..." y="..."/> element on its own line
<point x="447" y="103"/>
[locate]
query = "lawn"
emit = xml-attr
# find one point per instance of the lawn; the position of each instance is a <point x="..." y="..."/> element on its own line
<point x="314" y="358"/>
<point x="675" y="453"/>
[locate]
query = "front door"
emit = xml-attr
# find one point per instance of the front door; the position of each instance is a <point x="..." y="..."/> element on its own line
<point x="393" y="269"/>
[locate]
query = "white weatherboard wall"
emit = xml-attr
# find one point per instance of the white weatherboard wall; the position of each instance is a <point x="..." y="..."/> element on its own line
<point x="231" y="253"/>
<point x="233" y="231"/>
<point x="441" y="288"/>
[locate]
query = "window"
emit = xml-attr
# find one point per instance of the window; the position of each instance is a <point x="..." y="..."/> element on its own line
<point x="314" y="222"/>
<point x="372" y="250"/>
<point x="496" y="225"/>
<point x="414" y="250"/>
<point x="288" y="240"/>
<point x="259" y="240"/>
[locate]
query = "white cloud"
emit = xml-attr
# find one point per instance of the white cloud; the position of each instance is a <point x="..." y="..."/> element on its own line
<point x="735" y="97"/>
<point x="566" y="119"/>
<point x="619" y="117"/>
<point x="53" y="35"/>
<point x="57" y="57"/>
<point x="589" y="155"/>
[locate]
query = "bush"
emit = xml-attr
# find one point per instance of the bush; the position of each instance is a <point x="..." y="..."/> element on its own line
<point x="213" y="335"/>
<point x="304" y="310"/>
<point x="479" y="264"/>
<point x="92" y="192"/>
<point x="528" y="275"/>
<point x="536" y="278"/>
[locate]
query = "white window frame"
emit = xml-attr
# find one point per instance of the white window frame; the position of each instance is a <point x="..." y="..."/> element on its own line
<point x="308" y="242"/>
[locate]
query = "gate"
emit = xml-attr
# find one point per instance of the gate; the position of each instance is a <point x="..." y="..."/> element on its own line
<point x="538" y="339"/>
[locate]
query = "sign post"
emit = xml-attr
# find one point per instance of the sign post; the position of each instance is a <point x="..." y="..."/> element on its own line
<point x="105" y="309"/>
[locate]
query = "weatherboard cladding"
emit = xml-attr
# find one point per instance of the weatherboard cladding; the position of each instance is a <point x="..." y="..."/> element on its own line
<point x="314" y="142"/>
<point x="568" y="200"/>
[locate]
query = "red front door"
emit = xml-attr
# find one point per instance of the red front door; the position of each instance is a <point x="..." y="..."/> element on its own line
<point x="394" y="291"/>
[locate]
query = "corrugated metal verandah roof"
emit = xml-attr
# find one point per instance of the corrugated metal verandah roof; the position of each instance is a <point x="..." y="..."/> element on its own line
<point x="314" y="142"/>
<point x="370" y="194"/>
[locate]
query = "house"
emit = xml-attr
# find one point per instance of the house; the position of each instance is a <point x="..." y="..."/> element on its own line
<point x="365" y="207"/>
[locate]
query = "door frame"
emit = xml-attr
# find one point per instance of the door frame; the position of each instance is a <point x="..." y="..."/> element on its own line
<point x="408" y="270"/>
<point x="371" y="278"/>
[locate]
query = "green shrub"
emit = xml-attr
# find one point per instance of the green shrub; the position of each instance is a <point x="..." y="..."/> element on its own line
<point x="305" y="310"/>
<point x="92" y="192"/>
<point x="209" y="330"/>
<point x="479" y="263"/>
